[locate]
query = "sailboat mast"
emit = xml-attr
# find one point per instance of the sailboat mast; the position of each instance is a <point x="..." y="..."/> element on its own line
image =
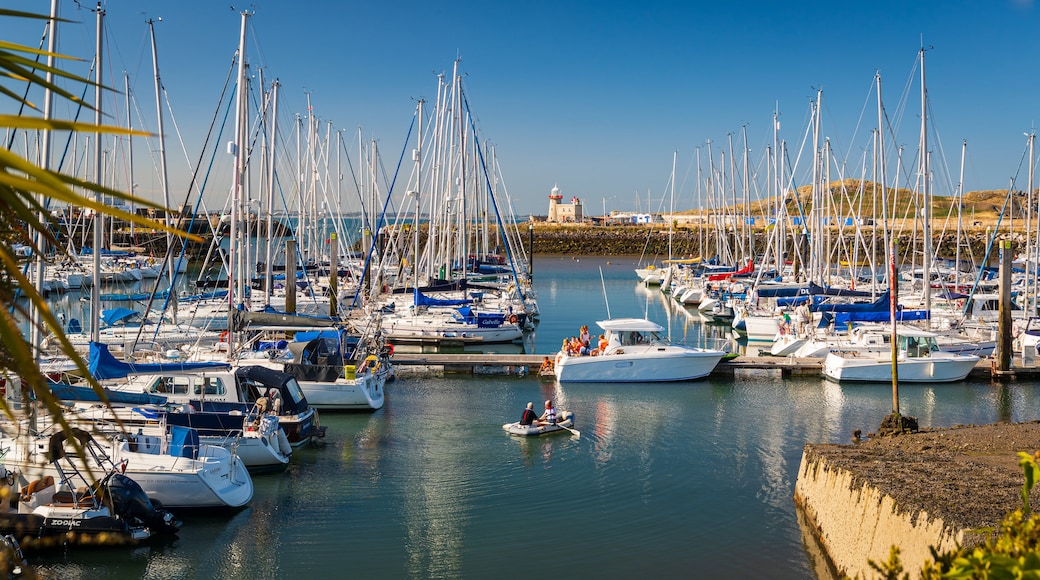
<point x="671" y="206"/>
<point x="960" y="216"/>
<point x="926" y="262"/>
<point x="238" y="147"/>
<point x="45" y="164"/>
<point x="268" y="257"/>
<point x="129" y="151"/>
<point x="162" y="160"/>
<point x="418" y="188"/>
<point x="95" y="295"/>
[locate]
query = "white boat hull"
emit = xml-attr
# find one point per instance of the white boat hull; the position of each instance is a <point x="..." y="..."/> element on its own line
<point x="787" y="344"/>
<point x="363" y="393"/>
<point x="217" y="479"/>
<point x="638" y="365"/>
<point x="876" y="366"/>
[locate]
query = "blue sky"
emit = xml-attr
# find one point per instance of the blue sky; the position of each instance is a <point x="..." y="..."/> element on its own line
<point x="596" y="96"/>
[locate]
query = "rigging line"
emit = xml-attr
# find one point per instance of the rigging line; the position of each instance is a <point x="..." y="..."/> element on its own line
<point x="996" y="230"/>
<point x="494" y="201"/>
<point x="192" y="184"/>
<point x="382" y="215"/>
<point x="25" y="96"/>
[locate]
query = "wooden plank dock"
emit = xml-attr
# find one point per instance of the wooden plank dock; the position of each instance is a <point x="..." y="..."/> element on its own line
<point x="765" y="366"/>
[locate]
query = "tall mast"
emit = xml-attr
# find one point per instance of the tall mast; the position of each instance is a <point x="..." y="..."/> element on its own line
<point x="162" y="167"/>
<point x="238" y="149"/>
<point x="418" y="188"/>
<point x="671" y="206"/>
<point x="960" y="214"/>
<point x="45" y="164"/>
<point x="268" y="258"/>
<point x="95" y="295"/>
<point x="129" y="150"/>
<point x="926" y="262"/>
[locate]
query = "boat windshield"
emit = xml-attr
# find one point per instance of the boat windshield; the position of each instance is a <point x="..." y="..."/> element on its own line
<point x="294" y="390"/>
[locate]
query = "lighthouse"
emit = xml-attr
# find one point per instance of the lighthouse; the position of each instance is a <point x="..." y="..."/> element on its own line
<point x="554" y="204"/>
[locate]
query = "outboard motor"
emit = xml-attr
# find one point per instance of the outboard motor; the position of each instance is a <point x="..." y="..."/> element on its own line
<point x="130" y="502"/>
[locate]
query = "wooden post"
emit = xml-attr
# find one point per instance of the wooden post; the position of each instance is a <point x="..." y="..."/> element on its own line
<point x="290" y="276"/>
<point x="530" y="254"/>
<point x="1004" y="320"/>
<point x="893" y="292"/>
<point x="333" y="275"/>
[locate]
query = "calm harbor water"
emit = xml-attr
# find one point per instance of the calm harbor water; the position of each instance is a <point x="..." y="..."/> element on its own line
<point x="673" y="480"/>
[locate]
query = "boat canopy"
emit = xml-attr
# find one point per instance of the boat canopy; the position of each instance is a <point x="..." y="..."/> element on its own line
<point x="114" y="316"/>
<point x="629" y="325"/>
<point x="262" y="379"/>
<point x="841" y="319"/>
<point x="66" y="392"/>
<point x="102" y="365"/>
<point x="424" y="300"/>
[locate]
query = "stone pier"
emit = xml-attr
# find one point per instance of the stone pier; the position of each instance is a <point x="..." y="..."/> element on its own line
<point x="939" y="487"/>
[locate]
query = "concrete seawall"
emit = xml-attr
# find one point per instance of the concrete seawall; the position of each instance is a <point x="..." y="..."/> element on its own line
<point x="856" y="522"/>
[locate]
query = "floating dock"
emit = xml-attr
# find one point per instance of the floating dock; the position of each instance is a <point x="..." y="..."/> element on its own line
<point x="770" y="366"/>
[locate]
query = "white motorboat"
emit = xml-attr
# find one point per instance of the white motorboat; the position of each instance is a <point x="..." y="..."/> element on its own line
<point x="637" y="353"/>
<point x="112" y="510"/>
<point x="919" y="360"/>
<point x="319" y="365"/>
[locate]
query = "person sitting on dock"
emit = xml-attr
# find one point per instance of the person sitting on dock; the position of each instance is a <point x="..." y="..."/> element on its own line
<point x="549" y="416"/>
<point x="529" y="416"/>
<point x="547" y="366"/>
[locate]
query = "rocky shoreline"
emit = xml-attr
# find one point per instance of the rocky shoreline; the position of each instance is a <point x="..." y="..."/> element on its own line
<point x="689" y="241"/>
<point x="651" y="242"/>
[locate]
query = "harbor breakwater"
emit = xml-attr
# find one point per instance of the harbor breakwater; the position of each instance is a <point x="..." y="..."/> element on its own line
<point x="693" y="241"/>
<point x="657" y="242"/>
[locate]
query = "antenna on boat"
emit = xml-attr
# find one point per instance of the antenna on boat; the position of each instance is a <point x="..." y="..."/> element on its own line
<point x="604" y="286"/>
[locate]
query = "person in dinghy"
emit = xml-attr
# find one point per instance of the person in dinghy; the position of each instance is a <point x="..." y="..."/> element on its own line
<point x="549" y="416"/>
<point x="529" y="416"/>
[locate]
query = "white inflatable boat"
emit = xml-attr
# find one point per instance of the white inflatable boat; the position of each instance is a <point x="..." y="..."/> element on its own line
<point x="535" y="430"/>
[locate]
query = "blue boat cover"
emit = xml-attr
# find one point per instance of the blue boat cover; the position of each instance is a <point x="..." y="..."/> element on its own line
<point x="116" y="315"/>
<point x="882" y="304"/>
<point x="844" y="318"/>
<point x="184" y="442"/>
<point x="67" y="392"/>
<point x="424" y="300"/>
<point x="102" y="365"/>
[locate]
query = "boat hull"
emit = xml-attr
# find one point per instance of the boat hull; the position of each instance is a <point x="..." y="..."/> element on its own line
<point x="635" y="365"/>
<point x="518" y="430"/>
<point x="363" y="393"/>
<point x="877" y="367"/>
